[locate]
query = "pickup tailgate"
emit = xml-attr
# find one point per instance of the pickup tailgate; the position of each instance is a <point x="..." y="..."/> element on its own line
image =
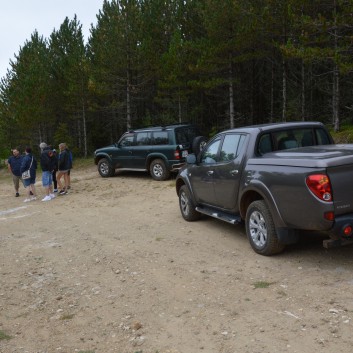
<point x="341" y="178"/>
<point x="337" y="160"/>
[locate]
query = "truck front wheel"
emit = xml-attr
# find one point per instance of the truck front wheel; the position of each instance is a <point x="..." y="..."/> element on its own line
<point x="186" y="205"/>
<point x="105" y="169"/>
<point x="260" y="229"/>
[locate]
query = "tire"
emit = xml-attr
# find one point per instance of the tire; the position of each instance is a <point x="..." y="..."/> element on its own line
<point x="105" y="169"/>
<point x="187" y="207"/>
<point x="158" y="170"/>
<point x="198" y="144"/>
<point x="261" y="231"/>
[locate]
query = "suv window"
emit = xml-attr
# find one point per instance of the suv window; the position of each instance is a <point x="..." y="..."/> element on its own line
<point x="160" y="137"/>
<point x="143" y="138"/>
<point x="127" y="140"/>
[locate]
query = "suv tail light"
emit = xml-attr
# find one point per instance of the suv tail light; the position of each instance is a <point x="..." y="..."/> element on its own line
<point x="177" y="154"/>
<point x="320" y="186"/>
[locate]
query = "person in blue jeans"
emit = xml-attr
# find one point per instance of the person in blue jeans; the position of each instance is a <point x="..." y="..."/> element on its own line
<point x="14" y="166"/>
<point x="29" y="162"/>
<point x="47" y="165"/>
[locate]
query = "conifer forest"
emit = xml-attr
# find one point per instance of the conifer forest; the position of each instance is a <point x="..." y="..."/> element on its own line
<point x="216" y="63"/>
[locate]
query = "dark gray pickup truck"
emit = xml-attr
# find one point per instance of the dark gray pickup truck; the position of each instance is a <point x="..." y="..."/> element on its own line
<point x="279" y="178"/>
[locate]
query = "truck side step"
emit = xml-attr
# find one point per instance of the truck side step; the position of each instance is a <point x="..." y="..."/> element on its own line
<point x="219" y="215"/>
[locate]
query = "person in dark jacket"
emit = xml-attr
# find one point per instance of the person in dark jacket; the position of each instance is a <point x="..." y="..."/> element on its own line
<point x="47" y="165"/>
<point x="63" y="168"/>
<point x="29" y="162"/>
<point x="14" y="166"/>
<point x="55" y="164"/>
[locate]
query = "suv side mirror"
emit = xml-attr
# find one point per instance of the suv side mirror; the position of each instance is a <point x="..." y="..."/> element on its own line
<point x="191" y="159"/>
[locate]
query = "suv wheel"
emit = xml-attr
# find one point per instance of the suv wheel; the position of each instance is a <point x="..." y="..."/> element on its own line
<point x="105" y="169"/>
<point x="158" y="170"/>
<point x="198" y="144"/>
<point x="187" y="207"/>
<point x="260" y="229"/>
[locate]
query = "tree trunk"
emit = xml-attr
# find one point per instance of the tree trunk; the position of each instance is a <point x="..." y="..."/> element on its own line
<point x="128" y="99"/>
<point x="303" y="92"/>
<point x="231" y="97"/>
<point x="335" y="99"/>
<point x="284" y="91"/>
<point x="272" y="91"/>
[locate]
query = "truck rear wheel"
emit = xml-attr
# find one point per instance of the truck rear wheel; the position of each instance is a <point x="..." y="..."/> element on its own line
<point x="261" y="231"/>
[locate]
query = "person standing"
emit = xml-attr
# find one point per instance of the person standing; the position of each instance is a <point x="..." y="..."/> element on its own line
<point x="70" y="167"/>
<point x="63" y="168"/>
<point x="29" y="162"/>
<point x="55" y="164"/>
<point x="47" y="165"/>
<point x="14" y="166"/>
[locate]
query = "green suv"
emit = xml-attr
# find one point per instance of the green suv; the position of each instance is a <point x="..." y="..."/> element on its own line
<point x="159" y="150"/>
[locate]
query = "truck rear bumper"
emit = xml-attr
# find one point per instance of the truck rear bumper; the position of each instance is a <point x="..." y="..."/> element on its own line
<point x="343" y="226"/>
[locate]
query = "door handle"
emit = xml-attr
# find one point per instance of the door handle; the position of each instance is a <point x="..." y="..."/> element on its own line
<point x="234" y="172"/>
<point x="210" y="172"/>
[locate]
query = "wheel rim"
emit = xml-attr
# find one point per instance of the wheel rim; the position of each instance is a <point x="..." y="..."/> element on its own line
<point x="258" y="230"/>
<point x="104" y="168"/>
<point x="184" y="203"/>
<point x="157" y="170"/>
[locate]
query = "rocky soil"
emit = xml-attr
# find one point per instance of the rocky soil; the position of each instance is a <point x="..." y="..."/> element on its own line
<point x="113" y="267"/>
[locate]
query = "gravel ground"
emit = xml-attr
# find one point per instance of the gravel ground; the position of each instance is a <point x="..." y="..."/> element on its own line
<point x="113" y="267"/>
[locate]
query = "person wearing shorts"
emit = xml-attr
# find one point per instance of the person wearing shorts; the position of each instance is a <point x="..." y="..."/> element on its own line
<point x="29" y="162"/>
<point x="14" y="166"/>
<point x="63" y="168"/>
<point x="47" y="165"/>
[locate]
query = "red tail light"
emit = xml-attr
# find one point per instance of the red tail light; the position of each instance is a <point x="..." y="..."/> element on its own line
<point x="320" y="186"/>
<point x="177" y="154"/>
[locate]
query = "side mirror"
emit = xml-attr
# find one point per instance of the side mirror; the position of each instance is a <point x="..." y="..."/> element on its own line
<point x="191" y="159"/>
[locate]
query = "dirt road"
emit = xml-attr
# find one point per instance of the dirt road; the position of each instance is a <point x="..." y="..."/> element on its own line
<point x="113" y="267"/>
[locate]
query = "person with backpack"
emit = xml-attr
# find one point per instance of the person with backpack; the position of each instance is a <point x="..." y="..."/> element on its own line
<point x="29" y="163"/>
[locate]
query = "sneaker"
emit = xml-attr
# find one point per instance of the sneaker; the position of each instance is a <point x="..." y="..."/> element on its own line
<point x="17" y="194"/>
<point x="47" y="198"/>
<point x="33" y="198"/>
<point x="62" y="192"/>
<point x="52" y="196"/>
<point x="55" y="190"/>
<point x="26" y="200"/>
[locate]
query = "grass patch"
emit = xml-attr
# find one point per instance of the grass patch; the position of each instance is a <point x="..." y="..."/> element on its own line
<point x="345" y="135"/>
<point x="4" y="336"/>
<point x="67" y="317"/>
<point x="262" y="284"/>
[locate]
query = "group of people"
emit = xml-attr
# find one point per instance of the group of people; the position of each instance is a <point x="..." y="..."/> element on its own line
<point x="54" y="167"/>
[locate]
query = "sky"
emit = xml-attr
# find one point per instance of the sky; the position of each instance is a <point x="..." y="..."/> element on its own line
<point x="20" y="18"/>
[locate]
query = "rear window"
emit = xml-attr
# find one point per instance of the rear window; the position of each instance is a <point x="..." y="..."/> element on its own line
<point x="186" y="134"/>
<point x="292" y="138"/>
